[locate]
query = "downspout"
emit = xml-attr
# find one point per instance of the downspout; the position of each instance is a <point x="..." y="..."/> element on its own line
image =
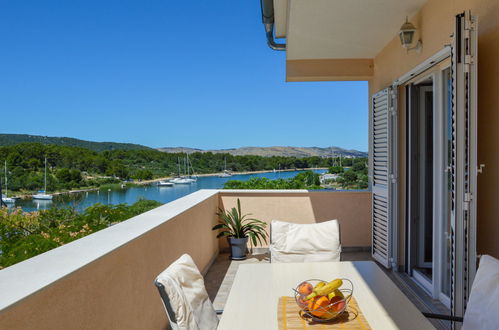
<point x="267" y="7"/>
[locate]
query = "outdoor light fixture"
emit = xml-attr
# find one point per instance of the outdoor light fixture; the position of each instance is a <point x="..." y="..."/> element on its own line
<point x="407" y="32"/>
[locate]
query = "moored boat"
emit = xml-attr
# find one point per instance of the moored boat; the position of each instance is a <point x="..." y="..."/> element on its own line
<point x="5" y="198"/>
<point x="42" y="194"/>
<point x="163" y="183"/>
<point x="182" y="180"/>
<point x="8" y="200"/>
<point x="225" y="173"/>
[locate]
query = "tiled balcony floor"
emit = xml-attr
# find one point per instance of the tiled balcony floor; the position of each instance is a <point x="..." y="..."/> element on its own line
<point x="221" y="275"/>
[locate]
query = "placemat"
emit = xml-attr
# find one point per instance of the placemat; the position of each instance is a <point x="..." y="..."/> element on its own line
<point x="289" y="317"/>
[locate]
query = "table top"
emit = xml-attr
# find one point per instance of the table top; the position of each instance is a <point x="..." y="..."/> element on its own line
<point x="253" y="298"/>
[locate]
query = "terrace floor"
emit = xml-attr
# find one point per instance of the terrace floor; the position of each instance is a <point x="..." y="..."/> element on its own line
<point x="221" y="274"/>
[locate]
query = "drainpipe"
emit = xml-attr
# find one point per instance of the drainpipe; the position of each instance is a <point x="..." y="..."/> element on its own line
<point x="267" y="7"/>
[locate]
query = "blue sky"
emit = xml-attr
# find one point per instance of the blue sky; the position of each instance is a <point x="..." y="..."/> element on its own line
<point x="163" y="73"/>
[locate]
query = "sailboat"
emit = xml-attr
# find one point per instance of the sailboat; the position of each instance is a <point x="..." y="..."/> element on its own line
<point x="42" y="194"/>
<point x="5" y="198"/>
<point x="186" y="178"/>
<point x="163" y="183"/>
<point x="225" y="173"/>
<point x="192" y="178"/>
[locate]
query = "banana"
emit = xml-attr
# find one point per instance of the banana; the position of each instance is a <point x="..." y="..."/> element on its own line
<point x="335" y="293"/>
<point x="330" y="287"/>
<point x="314" y="292"/>
<point x="323" y="289"/>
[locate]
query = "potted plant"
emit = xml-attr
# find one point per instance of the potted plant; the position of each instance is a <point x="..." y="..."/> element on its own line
<point x="238" y="228"/>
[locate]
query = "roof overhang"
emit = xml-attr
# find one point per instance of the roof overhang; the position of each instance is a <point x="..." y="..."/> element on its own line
<point x="352" y="31"/>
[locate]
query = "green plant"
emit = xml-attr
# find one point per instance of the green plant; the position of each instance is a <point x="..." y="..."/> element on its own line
<point x="234" y="224"/>
<point x="26" y="234"/>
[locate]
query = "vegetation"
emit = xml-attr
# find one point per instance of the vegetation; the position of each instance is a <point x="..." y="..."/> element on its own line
<point x="13" y="139"/>
<point x="76" y="167"/>
<point x="26" y="234"/>
<point x="354" y="177"/>
<point x="234" y="224"/>
<point x="336" y="169"/>
<point x="305" y="180"/>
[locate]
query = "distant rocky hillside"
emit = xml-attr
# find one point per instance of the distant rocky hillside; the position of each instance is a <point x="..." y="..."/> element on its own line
<point x="12" y="139"/>
<point x="276" y="151"/>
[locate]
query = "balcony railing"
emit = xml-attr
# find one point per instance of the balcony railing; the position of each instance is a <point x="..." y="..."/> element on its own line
<point x="105" y="280"/>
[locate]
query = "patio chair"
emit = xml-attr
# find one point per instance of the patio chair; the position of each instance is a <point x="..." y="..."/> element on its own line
<point x="291" y="242"/>
<point x="482" y="311"/>
<point x="187" y="305"/>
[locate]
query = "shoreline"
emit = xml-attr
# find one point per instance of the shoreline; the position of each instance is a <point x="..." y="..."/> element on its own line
<point x="147" y="182"/>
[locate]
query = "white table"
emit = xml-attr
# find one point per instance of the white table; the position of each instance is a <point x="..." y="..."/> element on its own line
<point x="253" y="298"/>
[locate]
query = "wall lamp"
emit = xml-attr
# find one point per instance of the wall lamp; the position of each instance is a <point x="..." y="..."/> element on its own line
<point x="407" y="32"/>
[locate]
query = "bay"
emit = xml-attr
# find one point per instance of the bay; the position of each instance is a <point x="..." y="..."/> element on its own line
<point x="81" y="201"/>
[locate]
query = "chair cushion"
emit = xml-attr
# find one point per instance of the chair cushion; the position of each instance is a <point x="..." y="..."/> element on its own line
<point x="189" y="300"/>
<point x="291" y="242"/>
<point x="482" y="311"/>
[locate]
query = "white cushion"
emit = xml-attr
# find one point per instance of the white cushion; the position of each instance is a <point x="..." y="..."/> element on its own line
<point x="291" y="242"/>
<point x="482" y="311"/>
<point x="189" y="300"/>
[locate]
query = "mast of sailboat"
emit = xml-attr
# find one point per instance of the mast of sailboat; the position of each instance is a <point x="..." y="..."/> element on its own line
<point x="45" y="184"/>
<point x="2" y="203"/>
<point x="187" y="163"/>
<point x="178" y="162"/>
<point x="6" y="182"/>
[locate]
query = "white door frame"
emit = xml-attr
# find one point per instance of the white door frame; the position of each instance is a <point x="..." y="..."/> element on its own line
<point x="438" y="160"/>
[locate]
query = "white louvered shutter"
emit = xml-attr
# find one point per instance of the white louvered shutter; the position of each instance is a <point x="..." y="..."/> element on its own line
<point x="383" y="121"/>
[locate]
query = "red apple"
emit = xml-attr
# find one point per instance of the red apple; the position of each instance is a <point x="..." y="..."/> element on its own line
<point x="305" y="288"/>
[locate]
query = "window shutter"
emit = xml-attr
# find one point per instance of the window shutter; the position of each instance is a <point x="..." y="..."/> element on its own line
<point x="382" y="131"/>
<point x="464" y="161"/>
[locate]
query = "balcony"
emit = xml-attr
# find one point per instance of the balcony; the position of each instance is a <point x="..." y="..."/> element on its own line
<point x="105" y="280"/>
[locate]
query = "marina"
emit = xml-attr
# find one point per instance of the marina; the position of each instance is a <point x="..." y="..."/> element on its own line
<point x="154" y="191"/>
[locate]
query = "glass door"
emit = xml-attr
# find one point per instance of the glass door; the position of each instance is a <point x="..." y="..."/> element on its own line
<point x="429" y="195"/>
<point x="421" y="181"/>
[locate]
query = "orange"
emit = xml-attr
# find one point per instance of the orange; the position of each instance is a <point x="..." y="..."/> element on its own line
<point x="318" y="306"/>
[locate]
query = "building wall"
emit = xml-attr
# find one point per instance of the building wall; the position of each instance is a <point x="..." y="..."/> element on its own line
<point x="351" y="209"/>
<point x="116" y="291"/>
<point x="435" y="23"/>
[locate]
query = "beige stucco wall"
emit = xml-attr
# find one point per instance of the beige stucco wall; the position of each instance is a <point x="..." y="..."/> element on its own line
<point x="435" y="22"/>
<point x="116" y="291"/>
<point x="352" y="209"/>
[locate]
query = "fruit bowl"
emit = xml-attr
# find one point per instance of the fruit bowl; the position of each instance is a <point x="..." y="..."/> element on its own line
<point x="322" y="301"/>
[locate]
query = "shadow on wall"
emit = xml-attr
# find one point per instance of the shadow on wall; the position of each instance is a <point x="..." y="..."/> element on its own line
<point x="351" y="208"/>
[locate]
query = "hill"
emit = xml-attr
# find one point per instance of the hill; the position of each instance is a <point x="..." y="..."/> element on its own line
<point x="299" y="152"/>
<point x="13" y="139"/>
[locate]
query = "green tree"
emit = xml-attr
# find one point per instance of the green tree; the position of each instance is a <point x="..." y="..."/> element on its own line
<point x="347" y="179"/>
<point x="26" y="234"/>
<point x="63" y="175"/>
<point x="143" y="175"/>
<point x="335" y="169"/>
